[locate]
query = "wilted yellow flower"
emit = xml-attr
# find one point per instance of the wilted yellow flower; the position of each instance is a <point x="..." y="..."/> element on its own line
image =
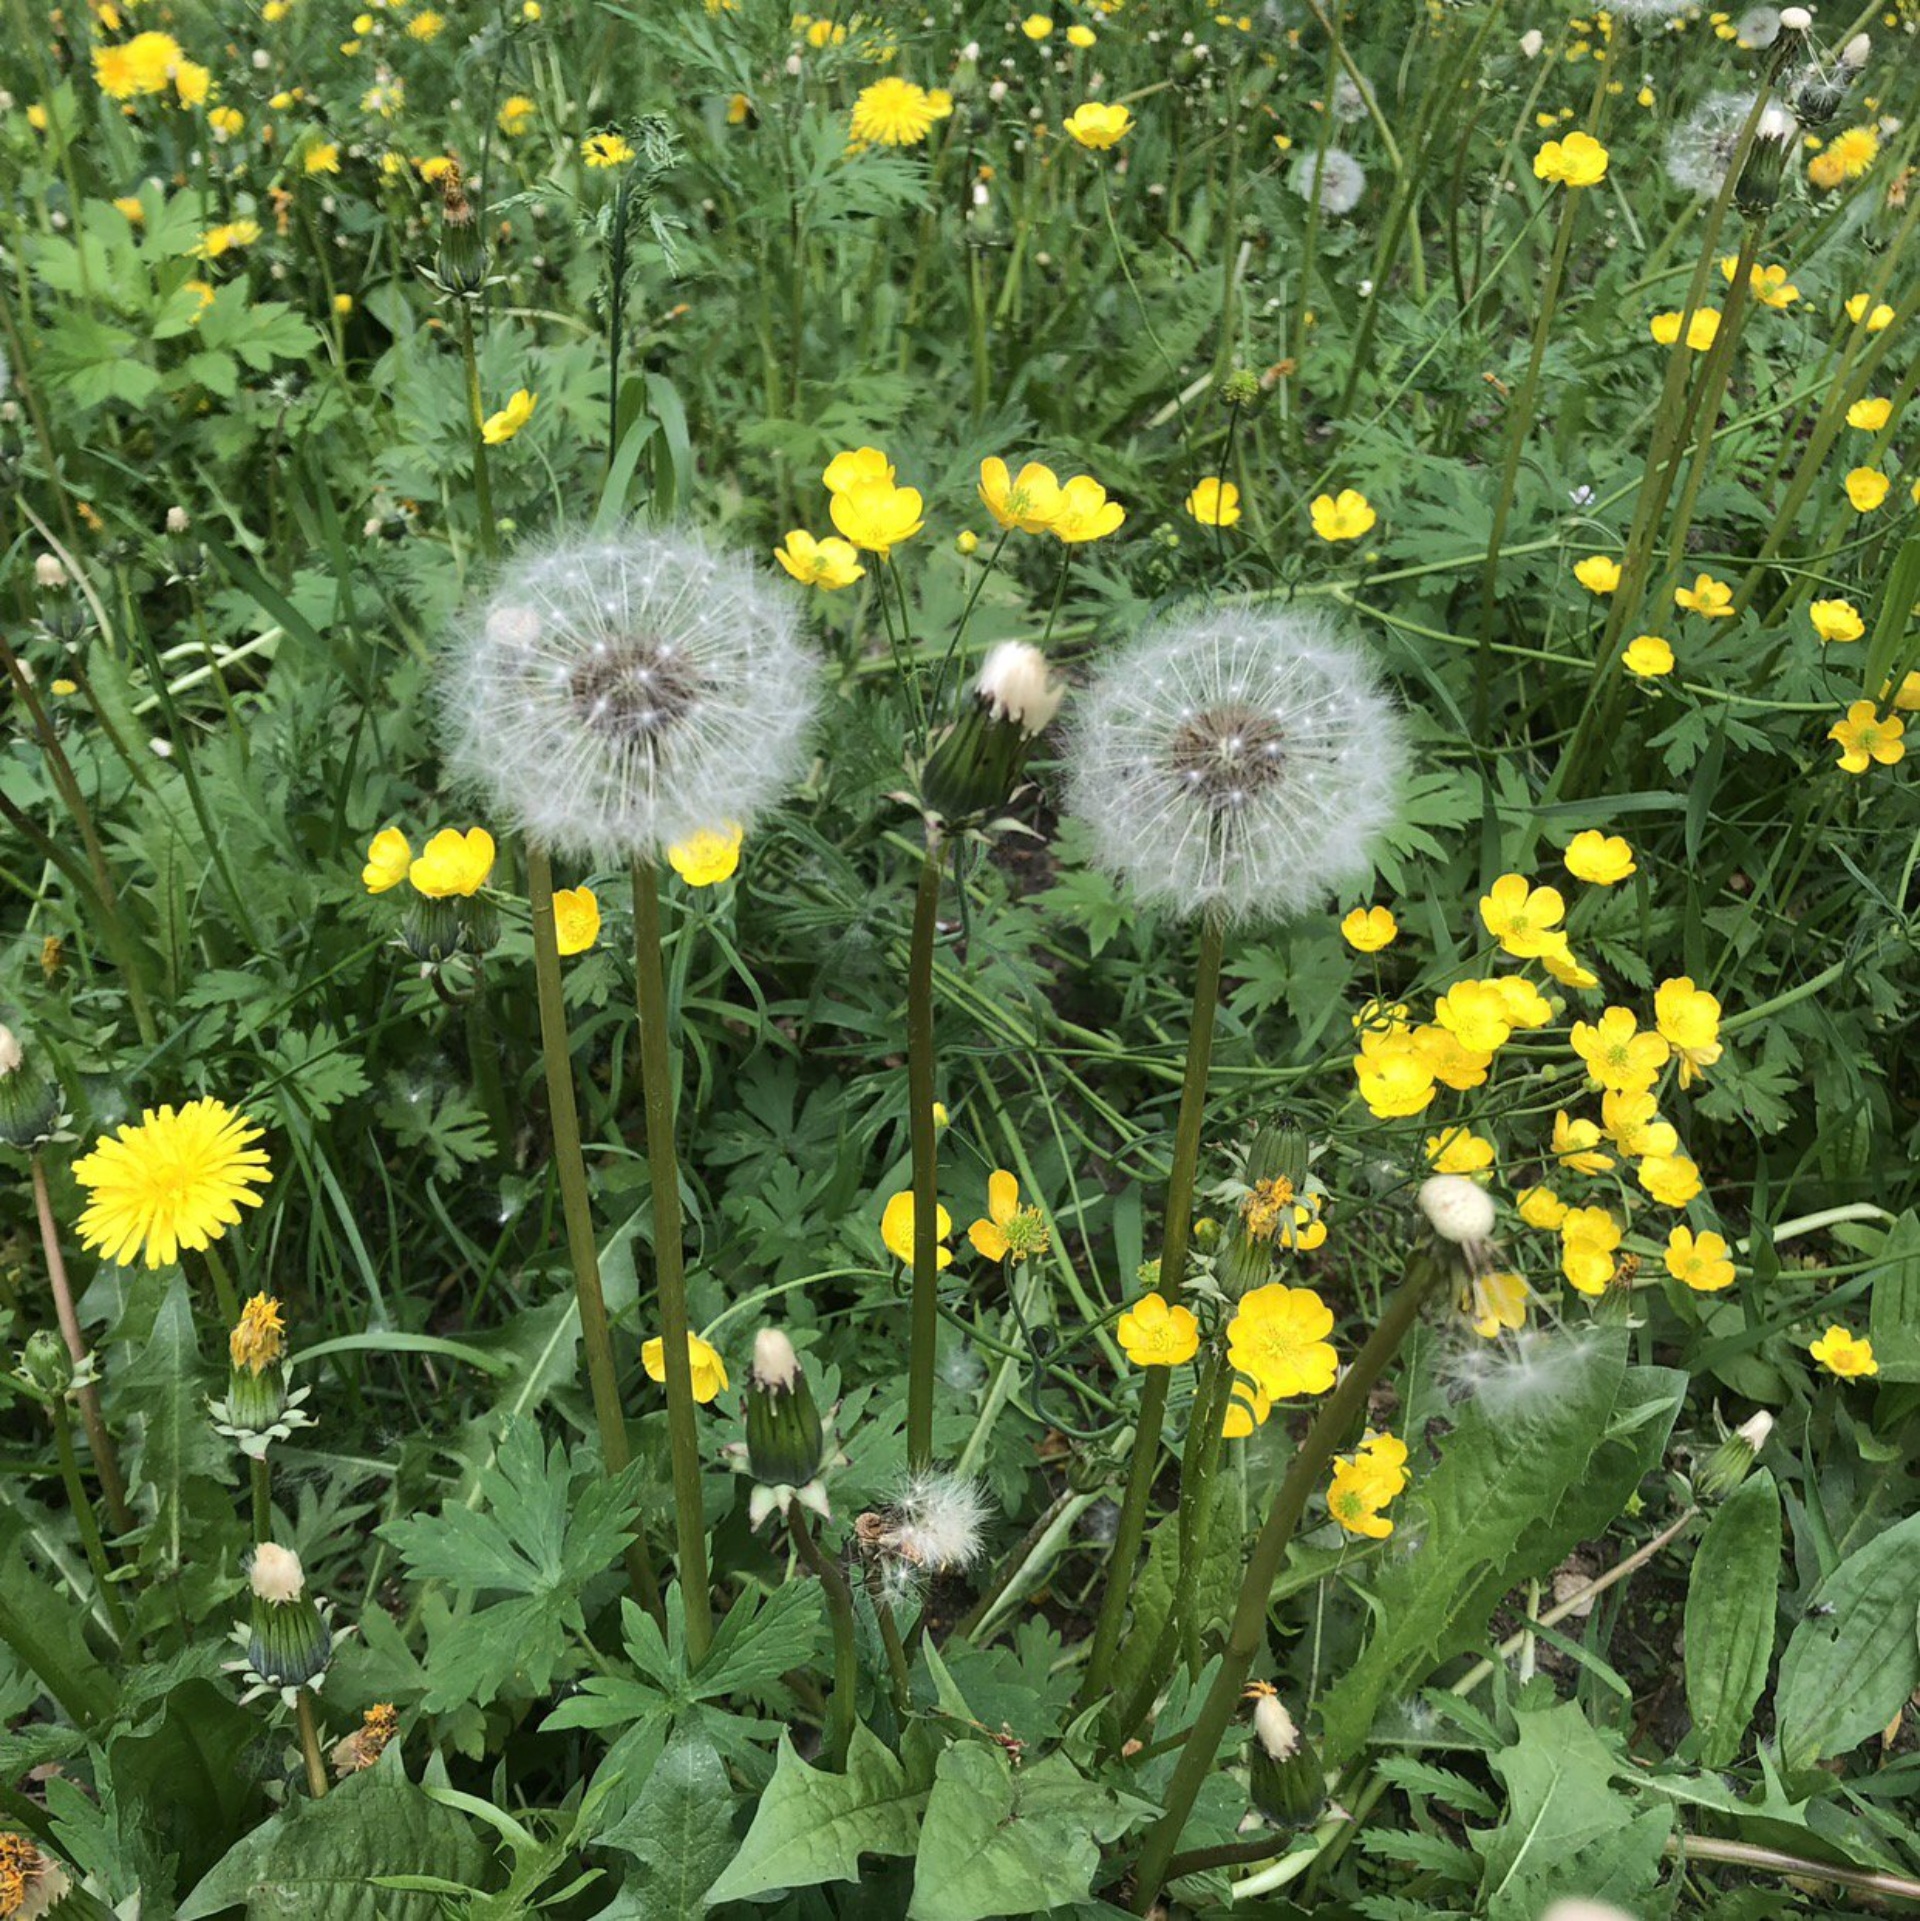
<point x="707" y="858"/>
<point x="1008" y="1231"/>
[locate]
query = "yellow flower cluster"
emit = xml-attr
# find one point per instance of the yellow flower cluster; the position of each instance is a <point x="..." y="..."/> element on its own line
<point x="1365" y="1481"/>
<point x="451" y="864"/>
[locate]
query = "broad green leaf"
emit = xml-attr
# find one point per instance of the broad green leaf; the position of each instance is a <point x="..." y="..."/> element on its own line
<point x="1895" y="1314"/>
<point x="997" y="1842"/>
<point x="181" y="1777"/>
<point x="812" y="1826"/>
<point x="1732" y="1593"/>
<point x="167" y="1383"/>
<point x="1534" y="1466"/>
<point x="678" y="1832"/>
<point x="318" y="1858"/>
<point x="1855" y="1658"/>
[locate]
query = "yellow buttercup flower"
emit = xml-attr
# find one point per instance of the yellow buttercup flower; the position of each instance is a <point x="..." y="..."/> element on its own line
<point x="896" y="1229"/>
<point x="1870" y="415"/>
<point x="1475" y="1012"/>
<point x="1214" y="502"/>
<point x="1278" y="1337"/>
<point x="576" y="919"/>
<point x="707" y="858"/>
<point x="1523" y="918"/>
<point x="1493" y="1302"/>
<point x="177" y="1180"/>
<point x="1878" y="318"/>
<point x="1028" y="502"/>
<point x="1449" y="1060"/>
<point x="1368" y="929"/>
<point x="1866" y="489"/>
<point x="1648" y="656"/>
<point x="1617" y="1054"/>
<point x="708" y="1370"/>
<point x="1672" y="1179"/>
<point x="1098" y="127"/>
<point x="226" y="121"/>
<point x="1085" y="512"/>
<point x="1847" y="1355"/>
<point x="1699" y="1261"/>
<point x="1081" y="37"/>
<point x="1576" y="1145"/>
<point x="1577" y="161"/>
<point x="877" y="516"/>
<point x="1008" y="1231"/>
<point x="1632" y="1122"/>
<point x="1589" y="1237"/>
<point x="453" y="863"/>
<point x="1247" y="1408"/>
<point x="1865" y="737"/>
<point x="1342" y="516"/>
<point x="861" y="465"/>
<point x="1836" y="620"/>
<point x="1152" y="1334"/>
<point x="1395" y="1082"/>
<point x="1768" y="285"/>
<point x="516" y="115"/>
<point x="826" y="564"/>
<point x="497" y="429"/>
<point x="322" y="157"/>
<point x="1598" y="573"/>
<point x="1702" y="329"/>
<point x="606" y="150"/>
<point x="1541" y="1207"/>
<point x="258" y="1339"/>
<point x="1036" y="26"/>
<point x="1709" y="598"/>
<point x="1602" y="860"/>
<point x="1350" y="1502"/>
<point x="1689" y="1018"/>
<point x="1458" y="1150"/>
<point x="388" y="858"/>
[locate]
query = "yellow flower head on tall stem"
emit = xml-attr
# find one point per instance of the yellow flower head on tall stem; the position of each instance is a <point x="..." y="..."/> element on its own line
<point x="1342" y="516"/>
<point x="707" y="858"/>
<point x="499" y="428"/>
<point x="453" y="863"/>
<point x="1278" y="1336"/>
<point x="1577" y="161"/>
<point x="576" y="919"/>
<point x="1028" y="502"/>
<point x="1153" y="1334"/>
<point x="259" y="1338"/>
<point x="1008" y="1231"/>
<point x="827" y="564"/>
<point x="177" y="1180"/>
<point x="388" y="858"/>
<point x="1085" y="512"/>
<point x="877" y="516"/>
<point x="1848" y="1355"/>
<point x="1214" y="502"/>
<point x="1098" y="127"/>
<point x="709" y="1371"/>
<point x="896" y="1229"/>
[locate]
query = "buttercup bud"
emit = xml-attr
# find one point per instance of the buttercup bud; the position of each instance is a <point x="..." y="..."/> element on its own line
<point x="46" y="1363"/>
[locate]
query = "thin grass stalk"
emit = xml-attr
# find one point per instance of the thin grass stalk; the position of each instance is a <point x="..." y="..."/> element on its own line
<point x="596" y="1335"/>
<point x="83" y="1519"/>
<point x="925" y="1312"/>
<point x="669" y="1260"/>
<point x="1338" y="1415"/>
<point x="838" y="1732"/>
<point x="106" y="1464"/>
<point x="1144" y="1465"/>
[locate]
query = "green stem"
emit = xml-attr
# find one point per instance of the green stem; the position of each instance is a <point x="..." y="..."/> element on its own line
<point x="262" y="1498"/>
<point x="1197" y="1467"/>
<point x="897" y="1667"/>
<point x="1173" y="1267"/>
<point x="310" y="1745"/>
<point x="596" y="1336"/>
<point x="925" y="1330"/>
<point x="846" y="1659"/>
<point x="1337" y="1417"/>
<point x="83" y="1519"/>
<point x="225" y="1294"/>
<point x="669" y="1260"/>
<point x="476" y="419"/>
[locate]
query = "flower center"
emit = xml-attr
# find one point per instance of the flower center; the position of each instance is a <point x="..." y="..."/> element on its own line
<point x="633" y="692"/>
<point x="1227" y="755"/>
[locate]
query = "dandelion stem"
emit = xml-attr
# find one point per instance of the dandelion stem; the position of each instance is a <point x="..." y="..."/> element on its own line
<point x="669" y="1260"/>
<point x="846" y="1658"/>
<point x="926" y="1162"/>
<point x="262" y="1497"/>
<point x="1338" y="1413"/>
<point x="889" y="1628"/>
<point x="83" y="1519"/>
<point x="106" y="1463"/>
<point x="595" y="1334"/>
<point x="310" y="1744"/>
<point x="476" y="417"/>
<point x="1173" y="1268"/>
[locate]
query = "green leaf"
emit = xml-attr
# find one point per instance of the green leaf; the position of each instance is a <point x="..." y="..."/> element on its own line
<point x="1895" y="1314"/>
<point x="1855" y="1658"/>
<point x="678" y="1831"/>
<point x="317" y="1859"/>
<point x="167" y="1384"/>
<point x="1567" y="1831"/>
<point x="1732" y="1592"/>
<point x="813" y="1827"/>
<point x="997" y="1842"/>
<point x="1534" y="1467"/>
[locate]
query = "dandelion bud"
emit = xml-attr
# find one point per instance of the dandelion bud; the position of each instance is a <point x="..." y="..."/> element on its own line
<point x="786" y="1445"/>
<point x="1274" y="1176"/>
<point x="177" y="521"/>
<point x="48" y="574"/>
<point x="437" y="929"/>
<point x="1730" y="1463"/>
<point x="29" y="1100"/>
<point x="1284" y="1777"/>
<point x="289" y="1644"/>
<point x="1773" y="141"/>
<point x="1795" y="19"/>
<point x="31" y="1883"/>
<point x="1853" y="56"/>
<point x="46" y="1364"/>
<point x="462" y="266"/>
<point x="976" y="765"/>
<point x="1531" y="42"/>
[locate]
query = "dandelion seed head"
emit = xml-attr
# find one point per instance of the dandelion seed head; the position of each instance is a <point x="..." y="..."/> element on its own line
<point x="1519" y="1376"/>
<point x="1336" y="174"/>
<point x="617" y="696"/>
<point x="1240" y="762"/>
<point x="275" y="1574"/>
<point x="1701" y="148"/>
<point x="1758" y="27"/>
<point x="1649" y="9"/>
<point x="937" y="1522"/>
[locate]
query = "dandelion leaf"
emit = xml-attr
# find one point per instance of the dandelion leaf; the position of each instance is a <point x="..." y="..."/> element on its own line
<point x="1732" y="1592"/>
<point x="1895" y="1324"/>
<point x="678" y="1832"/>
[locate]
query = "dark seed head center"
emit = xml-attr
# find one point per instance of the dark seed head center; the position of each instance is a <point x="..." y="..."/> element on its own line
<point x="633" y="690"/>
<point x="1227" y="754"/>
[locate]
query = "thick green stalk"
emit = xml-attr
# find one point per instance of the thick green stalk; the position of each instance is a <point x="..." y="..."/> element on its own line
<point x="262" y="1485"/>
<point x="310" y="1744"/>
<point x="846" y="1657"/>
<point x="669" y="1260"/>
<point x="1197" y="1468"/>
<point x="1173" y="1270"/>
<point x="1338" y="1415"/>
<point x="925" y="1330"/>
<point x="476" y="419"/>
<point x="596" y="1335"/>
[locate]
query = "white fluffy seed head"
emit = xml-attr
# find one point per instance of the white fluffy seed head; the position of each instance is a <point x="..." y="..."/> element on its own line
<point x="1855" y="54"/>
<point x="1648" y="9"/>
<point x="616" y="696"/>
<point x="1585" y="1911"/>
<point x="1340" y="178"/>
<point x="177" y="521"/>
<point x="1759" y="27"/>
<point x="1796" y="19"/>
<point x="1015" y="684"/>
<point x="1531" y="42"/>
<point x="1457" y="1209"/>
<point x="10" y="1054"/>
<point x="1701" y="148"/>
<point x="1274" y="1725"/>
<point x="1238" y="763"/>
<point x="276" y="1574"/>
<point x="938" y="1521"/>
<point x="774" y="1361"/>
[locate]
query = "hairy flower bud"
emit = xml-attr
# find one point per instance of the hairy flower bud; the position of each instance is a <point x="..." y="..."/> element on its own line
<point x="1732" y="1461"/>
<point x="29" y="1099"/>
<point x="289" y="1644"/>
<point x="462" y="264"/>
<point x="976" y="764"/>
<point x="46" y="1363"/>
<point x="1284" y="1777"/>
<point x="1274" y="1177"/>
<point x="786" y="1445"/>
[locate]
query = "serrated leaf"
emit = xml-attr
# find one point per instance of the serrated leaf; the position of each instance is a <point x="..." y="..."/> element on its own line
<point x="812" y="1826"/>
<point x="1411" y="1775"/>
<point x="1851" y="1663"/>
<point x="678" y="1832"/>
<point x="997" y="1841"/>
<point x="167" y="1385"/>
<point x="1733" y="1590"/>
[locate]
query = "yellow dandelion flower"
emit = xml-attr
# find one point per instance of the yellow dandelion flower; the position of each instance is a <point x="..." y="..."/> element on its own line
<point x="177" y="1180"/>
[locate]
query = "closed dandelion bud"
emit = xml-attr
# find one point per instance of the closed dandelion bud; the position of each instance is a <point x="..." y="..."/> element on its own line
<point x="257" y="1382"/>
<point x="435" y="931"/>
<point x="1284" y="1778"/>
<point x="1274" y="1177"/>
<point x="46" y="1363"/>
<point x="462" y="265"/>
<point x="1773" y="141"/>
<point x="1732" y="1461"/>
<point x="977" y="763"/>
<point x="29" y="1100"/>
<point x="288" y="1645"/>
<point x="786" y="1445"/>
<point x="61" y="612"/>
<point x="185" y="555"/>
